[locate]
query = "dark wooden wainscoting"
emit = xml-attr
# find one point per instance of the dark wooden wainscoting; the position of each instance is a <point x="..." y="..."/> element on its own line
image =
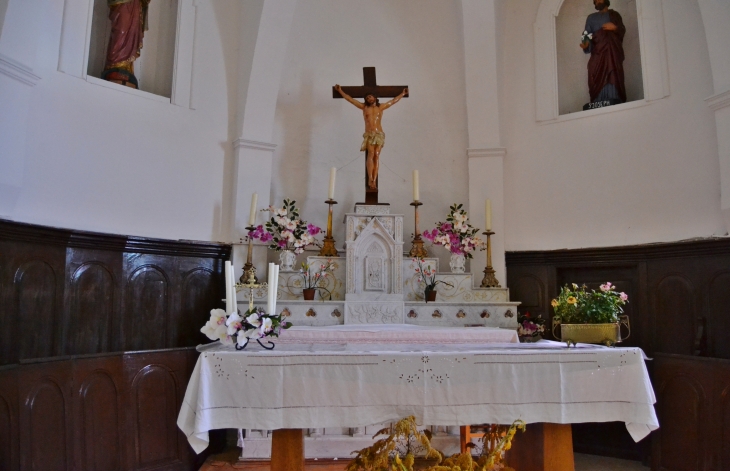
<point x="107" y="412"/>
<point x="65" y="292"/>
<point x="679" y="303"/>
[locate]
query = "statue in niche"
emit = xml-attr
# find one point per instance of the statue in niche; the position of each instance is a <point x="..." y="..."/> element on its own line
<point x="603" y="40"/>
<point x="128" y="24"/>
<point x="374" y="137"/>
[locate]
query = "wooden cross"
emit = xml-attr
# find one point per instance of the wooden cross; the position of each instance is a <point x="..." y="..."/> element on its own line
<point x="370" y="87"/>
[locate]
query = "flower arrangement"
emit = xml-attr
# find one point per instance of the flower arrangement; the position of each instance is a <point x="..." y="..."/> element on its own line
<point x="456" y="234"/>
<point x="397" y="452"/>
<point x="427" y="275"/>
<point x="285" y="230"/>
<point x="577" y="305"/>
<point x="529" y="327"/>
<point x="316" y="279"/>
<point x="235" y="329"/>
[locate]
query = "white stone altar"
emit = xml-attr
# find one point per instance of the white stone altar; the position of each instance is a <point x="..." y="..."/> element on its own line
<point x="376" y="283"/>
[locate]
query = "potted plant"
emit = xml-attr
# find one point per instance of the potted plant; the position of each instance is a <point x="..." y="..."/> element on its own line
<point x="457" y="236"/>
<point x="590" y="316"/>
<point x="427" y="276"/>
<point x="313" y="281"/>
<point x="287" y="233"/>
<point x="529" y="328"/>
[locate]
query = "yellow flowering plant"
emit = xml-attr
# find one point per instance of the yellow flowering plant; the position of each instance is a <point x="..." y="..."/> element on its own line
<point x="577" y="305"/>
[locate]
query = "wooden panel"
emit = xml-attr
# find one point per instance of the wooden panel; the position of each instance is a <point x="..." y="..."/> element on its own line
<point x="8" y="419"/>
<point x="45" y="417"/>
<point x="674" y="322"/>
<point x="680" y="403"/>
<point x="199" y="293"/>
<point x="98" y="413"/>
<point x="91" y="309"/>
<point x="724" y="417"/>
<point x="36" y="308"/>
<point x="718" y="311"/>
<point x="146" y="308"/>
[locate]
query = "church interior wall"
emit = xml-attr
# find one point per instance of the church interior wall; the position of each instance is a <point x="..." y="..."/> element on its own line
<point x="98" y="158"/>
<point x="419" y="44"/>
<point x="639" y="175"/>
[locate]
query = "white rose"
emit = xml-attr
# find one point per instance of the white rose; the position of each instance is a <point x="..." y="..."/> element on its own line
<point x="254" y="320"/>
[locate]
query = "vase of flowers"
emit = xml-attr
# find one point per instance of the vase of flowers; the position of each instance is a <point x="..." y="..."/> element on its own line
<point x="427" y="276"/>
<point x="590" y="316"/>
<point x="530" y="328"/>
<point x="234" y="329"/>
<point x="457" y="236"/>
<point x="287" y="233"/>
<point x="313" y="281"/>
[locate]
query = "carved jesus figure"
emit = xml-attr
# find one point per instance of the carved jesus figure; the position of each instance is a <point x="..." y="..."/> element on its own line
<point x="374" y="137"/>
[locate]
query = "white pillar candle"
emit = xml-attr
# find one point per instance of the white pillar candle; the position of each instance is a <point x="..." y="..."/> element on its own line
<point x="252" y="214"/>
<point x="270" y="283"/>
<point x="233" y="291"/>
<point x="276" y="289"/>
<point x="229" y="299"/>
<point x="488" y="217"/>
<point x="416" y="193"/>
<point x="331" y="193"/>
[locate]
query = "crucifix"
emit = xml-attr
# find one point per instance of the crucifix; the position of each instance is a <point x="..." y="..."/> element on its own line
<point x="372" y="111"/>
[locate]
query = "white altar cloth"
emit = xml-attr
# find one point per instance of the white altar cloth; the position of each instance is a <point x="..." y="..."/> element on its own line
<point x="353" y="385"/>
<point x="398" y="333"/>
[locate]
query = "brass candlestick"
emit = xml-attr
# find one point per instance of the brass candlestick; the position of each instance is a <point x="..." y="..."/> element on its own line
<point x="418" y="250"/>
<point x="248" y="269"/>
<point x="251" y="284"/>
<point x="328" y="247"/>
<point x="489" y="280"/>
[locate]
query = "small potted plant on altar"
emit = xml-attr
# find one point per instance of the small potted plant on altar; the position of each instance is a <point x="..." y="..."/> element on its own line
<point x="313" y="281"/>
<point x="529" y="328"/>
<point x="590" y="316"/>
<point x="427" y="276"/>
<point x="232" y="329"/>
<point x="457" y="236"/>
<point x="287" y="233"/>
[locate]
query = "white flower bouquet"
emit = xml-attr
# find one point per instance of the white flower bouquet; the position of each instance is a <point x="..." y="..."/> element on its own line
<point x="456" y="234"/>
<point x="255" y="324"/>
<point x="286" y="231"/>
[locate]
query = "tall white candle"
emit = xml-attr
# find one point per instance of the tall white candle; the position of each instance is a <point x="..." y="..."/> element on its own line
<point x="331" y="193"/>
<point x="233" y="292"/>
<point x="270" y="282"/>
<point x="252" y="214"/>
<point x="488" y="217"/>
<point x="229" y="299"/>
<point x="276" y="289"/>
<point x="415" y="186"/>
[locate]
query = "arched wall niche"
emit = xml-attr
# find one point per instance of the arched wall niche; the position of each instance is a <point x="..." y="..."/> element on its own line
<point x="572" y="61"/>
<point x="653" y="52"/>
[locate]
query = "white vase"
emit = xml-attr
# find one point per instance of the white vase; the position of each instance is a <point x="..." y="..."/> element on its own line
<point x="457" y="263"/>
<point x="287" y="258"/>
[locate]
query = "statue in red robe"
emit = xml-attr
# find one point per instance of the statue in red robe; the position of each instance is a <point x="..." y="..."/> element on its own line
<point x="603" y="39"/>
<point x="129" y="22"/>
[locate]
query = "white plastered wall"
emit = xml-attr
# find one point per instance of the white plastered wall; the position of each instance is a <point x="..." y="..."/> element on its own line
<point x="419" y="44"/>
<point x="638" y="175"/>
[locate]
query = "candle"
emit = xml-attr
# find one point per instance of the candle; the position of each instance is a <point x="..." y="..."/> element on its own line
<point x="276" y="289"/>
<point x="252" y="214"/>
<point x="415" y="186"/>
<point x="331" y="193"/>
<point x="229" y="299"/>
<point x="270" y="282"/>
<point x="234" y="303"/>
<point x="488" y="217"/>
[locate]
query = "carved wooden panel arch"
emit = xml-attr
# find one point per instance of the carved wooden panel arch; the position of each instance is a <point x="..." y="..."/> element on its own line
<point x="36" y="308"/>
<point x="718" y="313"/>
<point x="199" y="294"/>
<point x="154" y="411"/>
<point x="91" y="311"/>
<point x="681" y="400"/>
<point x="147" y="308"/>
<point x="673" y="303"/>
<point x="45" y="428"/>
<point x="724" y="416"/>
<point x="7" y="432"/>
<point x="100" y="445"/>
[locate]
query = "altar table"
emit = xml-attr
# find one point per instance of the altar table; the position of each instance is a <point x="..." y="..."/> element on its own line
<point x="299" y="386"/>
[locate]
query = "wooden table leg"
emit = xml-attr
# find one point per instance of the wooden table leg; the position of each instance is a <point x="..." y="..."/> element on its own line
<point x="287" y="450"/>
<point x="542" y="447"/>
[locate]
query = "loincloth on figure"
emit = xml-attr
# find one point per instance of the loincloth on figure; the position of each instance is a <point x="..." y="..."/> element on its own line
<point x="372" y="138"/>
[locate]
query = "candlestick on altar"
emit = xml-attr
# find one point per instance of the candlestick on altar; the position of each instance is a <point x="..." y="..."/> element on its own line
<point x="328" y="246"/>
<point x="251" y="284"/>
<point x="248" y="268"/>
<point x="489" y="280"/>
<point x="418" y="250"/>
